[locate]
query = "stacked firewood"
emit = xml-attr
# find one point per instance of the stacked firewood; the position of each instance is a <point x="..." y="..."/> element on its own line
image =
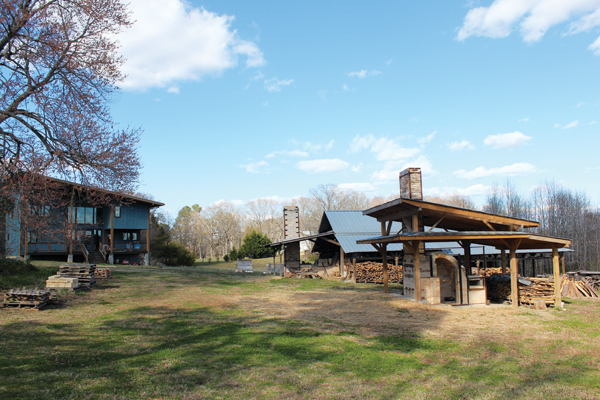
<point x="498" y="290"/>
<point x="372" y="272"/>
<point x="540" y="289"/>
<point x="84" y="272"/>
<point x="492" y="271"/>
<point x="26" y="298"/>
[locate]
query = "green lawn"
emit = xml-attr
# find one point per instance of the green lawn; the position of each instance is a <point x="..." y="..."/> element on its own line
<point x="207" y="332"/>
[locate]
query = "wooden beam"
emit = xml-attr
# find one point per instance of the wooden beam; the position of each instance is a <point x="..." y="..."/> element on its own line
<point x="331" y="241"/>
<point x="514" y="277"/>
<point x="489" y="226"/>
<point x="389" y="228"/>
<point x="112" y="229"/>
<point x="384" y="256"/>
<point x="503" y="260"/>
<point x="556" y="268"/>
<point x="436" y="224"/>
<point x="398" y="216"/>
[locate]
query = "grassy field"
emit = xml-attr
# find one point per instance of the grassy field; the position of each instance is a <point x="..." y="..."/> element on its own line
<point x="206" y="332"/>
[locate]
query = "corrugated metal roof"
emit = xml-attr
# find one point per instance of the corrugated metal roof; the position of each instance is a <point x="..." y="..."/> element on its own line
<point x="348" y="243"/>
<point x="351" y="225"/>
<point x="353" y="221"/>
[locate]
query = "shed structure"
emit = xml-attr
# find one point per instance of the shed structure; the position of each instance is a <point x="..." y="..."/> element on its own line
<point x="440" y="273"/>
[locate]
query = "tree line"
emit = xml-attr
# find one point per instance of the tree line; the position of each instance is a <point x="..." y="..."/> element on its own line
<point x="213" y="232"/>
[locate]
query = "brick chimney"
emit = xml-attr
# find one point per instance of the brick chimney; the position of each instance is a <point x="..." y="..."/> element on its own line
<point x="291" y="222"/>
<point x="410" y="184"/>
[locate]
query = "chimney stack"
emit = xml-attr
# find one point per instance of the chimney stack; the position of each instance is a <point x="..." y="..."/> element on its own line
<point x="291" y="222"/>
<point x="410" y="184"/>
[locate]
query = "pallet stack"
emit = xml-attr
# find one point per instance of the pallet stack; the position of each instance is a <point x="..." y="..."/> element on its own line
<point x="26" y="298"/>
<point x="102" y="273"/>
<point x="83" y="272"/>
<point x="372" y="272"/>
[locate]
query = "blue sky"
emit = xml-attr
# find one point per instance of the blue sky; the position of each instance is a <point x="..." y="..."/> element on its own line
<point x="241" y="100"/>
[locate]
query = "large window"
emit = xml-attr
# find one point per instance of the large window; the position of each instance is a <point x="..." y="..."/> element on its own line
<point x="85" y="215"/>
<point x="130" y="236"/>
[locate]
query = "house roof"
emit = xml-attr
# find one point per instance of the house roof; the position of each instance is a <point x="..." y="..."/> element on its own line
<point x="446" y="217"/>
<point x="136" y="199"/>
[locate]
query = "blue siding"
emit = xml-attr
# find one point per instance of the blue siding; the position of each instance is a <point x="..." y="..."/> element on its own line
<point x="13" y="231"/>
<point x="133" y="216"/>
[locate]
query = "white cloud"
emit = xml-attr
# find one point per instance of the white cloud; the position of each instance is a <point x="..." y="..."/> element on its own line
<point x="570" y="125"/>
<point x="325" y="165"/>
<point x="391" y="169"/>
<point x="462" y="145"/>
<point x="508" y="170"/>
<point x="385" y="149"/>
<point x="172" y="42"/>
<point x="388" y="62"/>
<point x="275" y="85"/>
<point x="323" y="94"/>
<point x="475" y="190"/>
<point x="363" y="73"/>
<point x="312" y="147"/>
<point x="356" y="168"/>
<point x="595" y="47"/>
<point x="532" y="18"/>
<point x="173" y="89"/>
<point x="254" y="166"/>
<point x="358" y="187"/>
<point x="223" y="201"/>
<point x="427" y="138"/>
<point x="288" y="153"/>
<point x="524" y="120"/>
<point x="266" y="103"/>
<point x="506" y="140"/>
<point x="593" y="123"/>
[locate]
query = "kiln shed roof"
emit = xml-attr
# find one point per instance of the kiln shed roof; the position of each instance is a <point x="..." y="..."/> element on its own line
<point x="446" y="217"/>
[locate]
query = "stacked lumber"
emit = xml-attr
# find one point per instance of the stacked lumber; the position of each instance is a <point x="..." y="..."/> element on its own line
<point x="62" y="282"/>
<point x="102" y="273"/>
<point x="26" y="298"/>
<point x="84" y="273"/>
<point x="498" y="288"/>
<point x="372" y="272"/>
<point x="492" y="271"/>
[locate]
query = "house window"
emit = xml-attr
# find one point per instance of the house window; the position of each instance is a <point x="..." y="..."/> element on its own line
<point x="85" y="215"/>
<point x="126" y="236"/>
<point x="32" y="237"/>
<point x="117" y="211"/>
<point x="134" y="236"/>
<point x="40" y="211"/>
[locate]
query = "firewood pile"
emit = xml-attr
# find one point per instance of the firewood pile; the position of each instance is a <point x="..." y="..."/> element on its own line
<point x="492" y="271"/>
<point x="84" y="273"/>
<point x="372" y="272"/>
<point x="26" y="298"/>
<point x="102" y="273"/>
<point x="304" y="272"/>
<point x="539" y="289"/>
<point x="592" y="278"/>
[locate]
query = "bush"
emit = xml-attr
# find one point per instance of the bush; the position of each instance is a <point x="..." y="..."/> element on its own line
<point x="254" y="246"/>
<point x="174" y="254"/>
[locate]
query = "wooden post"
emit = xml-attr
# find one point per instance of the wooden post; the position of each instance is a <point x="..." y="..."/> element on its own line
<point x="385" y="267"/>
<point x="383" y="253"/>
<point x="354" y="269"/>
<point x="555" y="264"/>
<point x="342" y="266"/>
<point x="563" y="265"/>
<point x="503" y="260"/>
<point x="274" y="254"/>
<point x="280" y="264"/>
<point x="514" y="284"/>
<point x="112" y="229"/>
<point x="148" y="234"/>
<point x="417" y="267"/>
<point x="467" y="249"/>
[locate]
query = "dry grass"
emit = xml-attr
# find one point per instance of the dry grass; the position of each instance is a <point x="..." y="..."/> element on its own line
<point x="181" y="333"/>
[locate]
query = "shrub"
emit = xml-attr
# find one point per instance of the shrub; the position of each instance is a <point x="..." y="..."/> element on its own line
<point x="253" y="246"/>
<point x="174" y="254"/>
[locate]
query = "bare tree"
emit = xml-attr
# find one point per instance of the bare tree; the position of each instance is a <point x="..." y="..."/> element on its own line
<point x="58" y="68"/>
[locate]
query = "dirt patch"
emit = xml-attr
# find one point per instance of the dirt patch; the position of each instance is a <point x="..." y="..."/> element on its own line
<point x="374" y="314"/>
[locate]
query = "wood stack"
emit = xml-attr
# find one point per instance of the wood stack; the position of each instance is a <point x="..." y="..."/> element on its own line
<point x="592" y="278"/>
<point x="541" y="289"/>
<point x="84" y="273"/>
<point x="492" y="271"/>
<point x="372" y="272"/>
<point x="62" y="282"/>
<point x="498" y="290"/>
<point x="102" y="273"/>
<point x="26" y="298"/>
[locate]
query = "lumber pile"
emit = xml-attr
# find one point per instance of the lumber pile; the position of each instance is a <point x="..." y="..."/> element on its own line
<point x="102" y="273"/>
<point x="372" y="272"/>
<point x="26" y="298"/>
<point x="492" y="271"/>
<point x="540" y="289"/>
<point x="498" y="288"/>
<point x="83" y="272"/>
<point x="61" y="282"/>
<point x="575" y="286"/>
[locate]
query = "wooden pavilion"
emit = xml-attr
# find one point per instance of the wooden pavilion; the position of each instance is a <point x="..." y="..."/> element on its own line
<point x="452" y="224"/>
